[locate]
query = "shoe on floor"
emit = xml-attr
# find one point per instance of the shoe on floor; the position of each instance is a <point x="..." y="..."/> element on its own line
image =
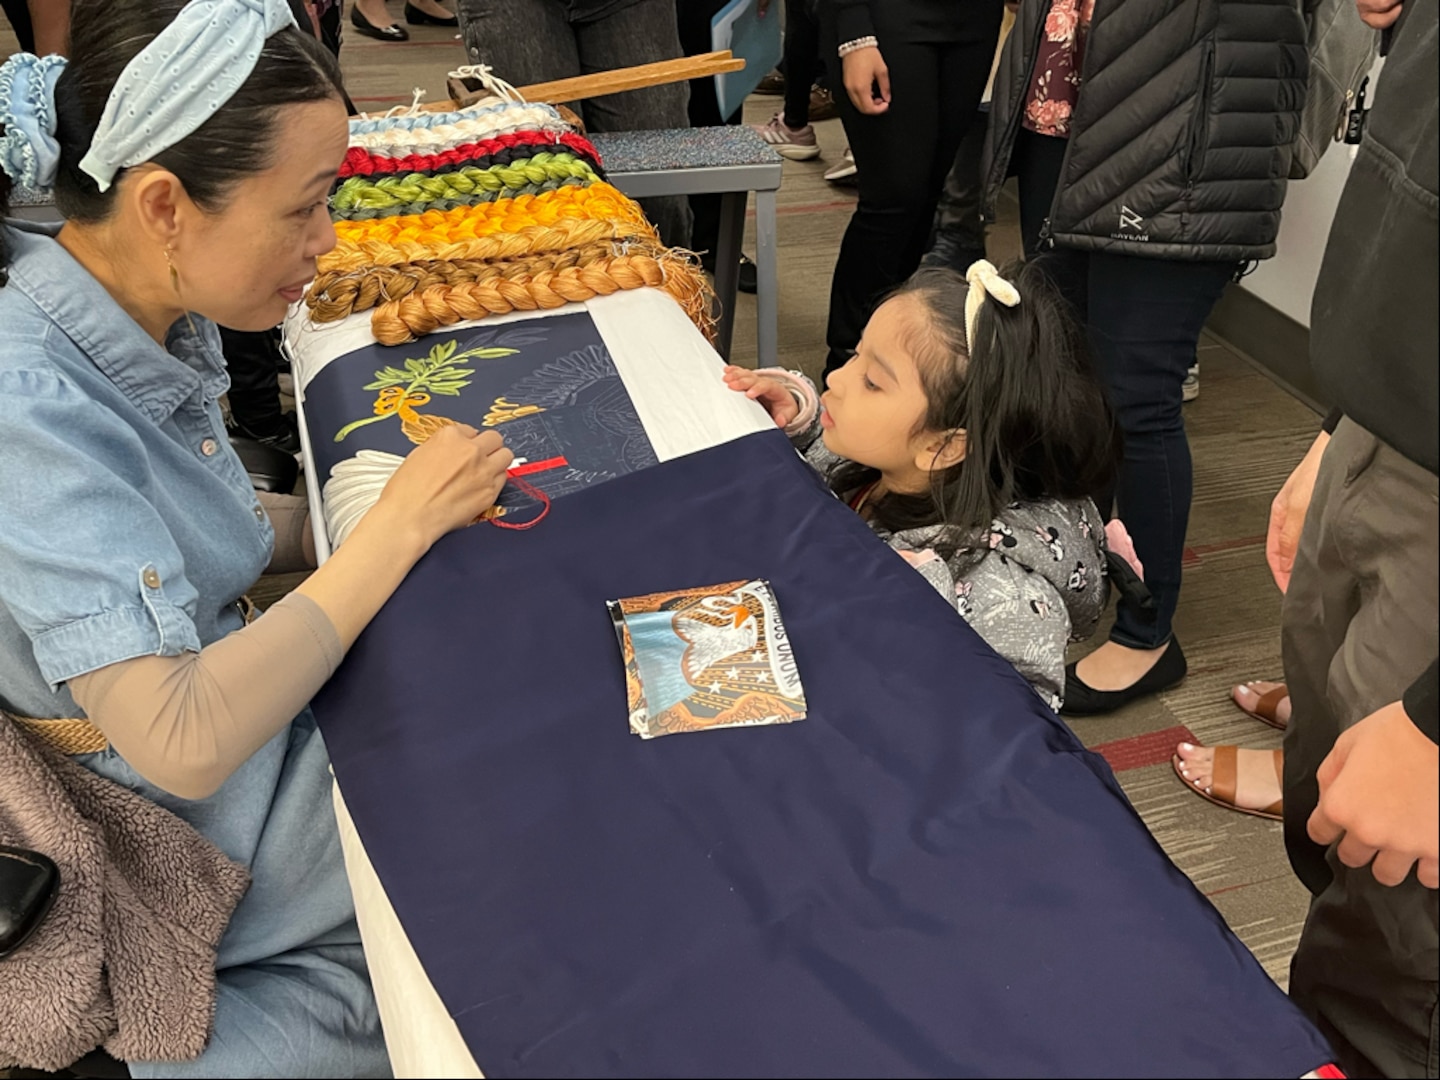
<point x="844" y="172"/>
<point x="771" y="84"/>
<point x="415" y="17"/>
<point x="797" y="144"/>
<point x="1084" y="700"/>
<point x="747" y="280"/>
<point x="1190" y="388"/>
<point x="369" y="29"/>
<point x="822" y="104"/>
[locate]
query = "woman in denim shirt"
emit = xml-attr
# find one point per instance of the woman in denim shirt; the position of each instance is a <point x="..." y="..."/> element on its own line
<point x="128" y="528"/>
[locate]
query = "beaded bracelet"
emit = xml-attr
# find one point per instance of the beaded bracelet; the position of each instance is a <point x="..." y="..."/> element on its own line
<point x="867" y="42"/>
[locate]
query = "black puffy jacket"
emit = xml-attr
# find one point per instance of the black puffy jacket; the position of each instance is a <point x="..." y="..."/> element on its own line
<point x="1181" y="139"/>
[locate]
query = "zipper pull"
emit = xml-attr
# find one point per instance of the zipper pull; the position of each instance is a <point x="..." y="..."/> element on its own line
<point x="1355" y="120"/>
<point x="1046" y="242"/>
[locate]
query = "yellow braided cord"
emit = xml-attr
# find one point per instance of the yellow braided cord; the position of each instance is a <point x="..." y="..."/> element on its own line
<point x="367" y="193"/>
<point x="598" y="201"/>
<point x="564" y="234"/>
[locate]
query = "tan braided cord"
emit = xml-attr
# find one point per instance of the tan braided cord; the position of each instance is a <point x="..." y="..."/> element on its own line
<point x="69" y="736"/>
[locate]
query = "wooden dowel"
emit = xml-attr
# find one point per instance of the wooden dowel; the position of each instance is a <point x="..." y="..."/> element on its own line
<point x="621" y="79"/>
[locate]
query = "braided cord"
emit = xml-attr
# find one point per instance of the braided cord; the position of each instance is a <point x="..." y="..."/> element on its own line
<point x="340" y="293"/>
<point x="426" y="310"/>
<point x="360" y="193"/>
<point x="498" y="151"/>
<point x="565" y="233"/>
<point x="598" y="200"/>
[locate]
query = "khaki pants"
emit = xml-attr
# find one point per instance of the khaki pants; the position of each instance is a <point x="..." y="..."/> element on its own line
<point x="1359" y="627"/>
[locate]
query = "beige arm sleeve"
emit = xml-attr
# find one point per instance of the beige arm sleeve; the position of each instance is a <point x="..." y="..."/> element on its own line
<point x="187" y="722"/>
<point x="294" y="546"/>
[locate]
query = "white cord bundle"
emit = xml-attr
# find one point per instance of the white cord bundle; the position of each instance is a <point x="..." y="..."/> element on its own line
<point x="353" y="488"/>
<point x="485" y="75"/>
<point x="401" y="141"/>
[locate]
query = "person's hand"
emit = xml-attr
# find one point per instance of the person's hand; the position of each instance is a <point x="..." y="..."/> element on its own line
<point x="1378" y="14"/>
<point x="1380" y="798"/>
<point x="768" y="391"/>
<point x="867" y="81"/>
<point x="1287" y="513"/>
<point x="447" y="481"/>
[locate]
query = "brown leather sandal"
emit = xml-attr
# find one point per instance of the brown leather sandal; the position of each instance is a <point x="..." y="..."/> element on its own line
<point x="1267" y="706"/>
<point x="1222" y="788"/>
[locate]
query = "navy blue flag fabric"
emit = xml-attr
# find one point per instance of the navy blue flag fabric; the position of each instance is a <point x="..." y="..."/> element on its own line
<point x="928" y="876"/>
<point x="569" y="419"/>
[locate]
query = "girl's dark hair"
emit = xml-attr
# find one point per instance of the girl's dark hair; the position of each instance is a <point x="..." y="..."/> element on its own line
<point x="1035" y="419"/>
<point x="235" y="142"/>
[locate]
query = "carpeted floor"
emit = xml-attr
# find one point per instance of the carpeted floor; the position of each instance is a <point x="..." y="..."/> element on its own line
<point x="1246" y="433"/>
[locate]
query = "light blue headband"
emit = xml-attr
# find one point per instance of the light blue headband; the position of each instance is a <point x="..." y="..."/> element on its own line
<point x="169" y="89"/>
<point x="177" y="82"/>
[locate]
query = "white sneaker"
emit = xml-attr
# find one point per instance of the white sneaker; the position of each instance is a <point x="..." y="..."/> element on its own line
<point x="843" y="172"/>
<point x="1190" y="388"/>
<point x="797" y="144"/>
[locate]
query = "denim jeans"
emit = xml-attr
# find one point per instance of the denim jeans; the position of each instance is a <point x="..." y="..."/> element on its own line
<point x="531" y="41"/>
<point x="1144" y="318"/>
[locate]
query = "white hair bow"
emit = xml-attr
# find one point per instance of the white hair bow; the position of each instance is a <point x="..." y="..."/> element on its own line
<point x="985" y="281"/>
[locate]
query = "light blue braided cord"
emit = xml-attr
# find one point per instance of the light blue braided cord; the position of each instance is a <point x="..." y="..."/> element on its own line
<point x="180" y="79"/>
<point x="29" y="153"/>
<point x="427" y="120"/>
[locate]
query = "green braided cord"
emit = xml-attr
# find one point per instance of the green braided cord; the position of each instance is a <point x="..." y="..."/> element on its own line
<point x="395" y="210"/>
<point x="367" y="193"/>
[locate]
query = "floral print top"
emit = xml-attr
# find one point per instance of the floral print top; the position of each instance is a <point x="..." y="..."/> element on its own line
<point x="1056" y="81"/>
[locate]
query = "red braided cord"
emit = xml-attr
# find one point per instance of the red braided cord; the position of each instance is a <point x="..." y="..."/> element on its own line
<point x="361" y="162"/>
<point x="526" y="488"/>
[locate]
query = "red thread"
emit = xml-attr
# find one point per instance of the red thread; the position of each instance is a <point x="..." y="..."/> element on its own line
<point x="539" y="466"/>
<point x="526" y="488"/>
<point x="361" y="162"/>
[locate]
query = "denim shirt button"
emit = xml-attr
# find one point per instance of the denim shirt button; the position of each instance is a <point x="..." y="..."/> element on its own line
<point x="259" y="514"/>
<point x="151" y="578"/>
<point x="208" y="447"/>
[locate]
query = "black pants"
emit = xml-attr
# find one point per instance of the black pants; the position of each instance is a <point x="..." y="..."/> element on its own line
<point x="18" y="12"/>
<point x="801" y="62"/>
<point x="937" y="74"/>
<point x="693" y="20"/>
<point x="253" y="361"/>
<point x="1144" y="318"/>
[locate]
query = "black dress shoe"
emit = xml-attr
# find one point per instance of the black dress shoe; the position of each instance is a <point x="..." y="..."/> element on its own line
<point x="748" y="280"/>
<point x="369" y="29"/>
<point x="415" y="17"/>
<point x="1083" y="700"/>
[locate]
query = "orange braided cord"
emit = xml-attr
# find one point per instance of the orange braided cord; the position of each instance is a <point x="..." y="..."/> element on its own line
<point x="598" y="201"/>
<point x="350" y="255"/>
<point x="426" y="310"/>
<point x="339" y="293"/>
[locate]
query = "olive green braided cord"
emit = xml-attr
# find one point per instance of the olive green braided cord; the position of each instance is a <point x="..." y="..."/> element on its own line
<point x="368" y="193"/>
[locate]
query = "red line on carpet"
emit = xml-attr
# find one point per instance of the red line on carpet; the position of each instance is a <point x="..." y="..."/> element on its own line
<point x="1138" y="751"/>
<point x="1199" y="551"/>
<point x="1246" y="885"/>
<point x="539" y="466"/>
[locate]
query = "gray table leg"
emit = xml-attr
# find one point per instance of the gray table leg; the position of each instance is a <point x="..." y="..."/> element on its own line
<point x="727" y="265"/>
<point x="767" y="308"/>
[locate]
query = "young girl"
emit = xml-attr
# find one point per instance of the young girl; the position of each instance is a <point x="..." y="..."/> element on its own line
<point x="968" y="431"/>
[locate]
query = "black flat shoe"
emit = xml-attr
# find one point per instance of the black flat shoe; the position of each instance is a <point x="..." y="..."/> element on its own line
<point x="369" y="29"/>
<point x="415" y="17"/>
<point x="1083" y="700"/>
